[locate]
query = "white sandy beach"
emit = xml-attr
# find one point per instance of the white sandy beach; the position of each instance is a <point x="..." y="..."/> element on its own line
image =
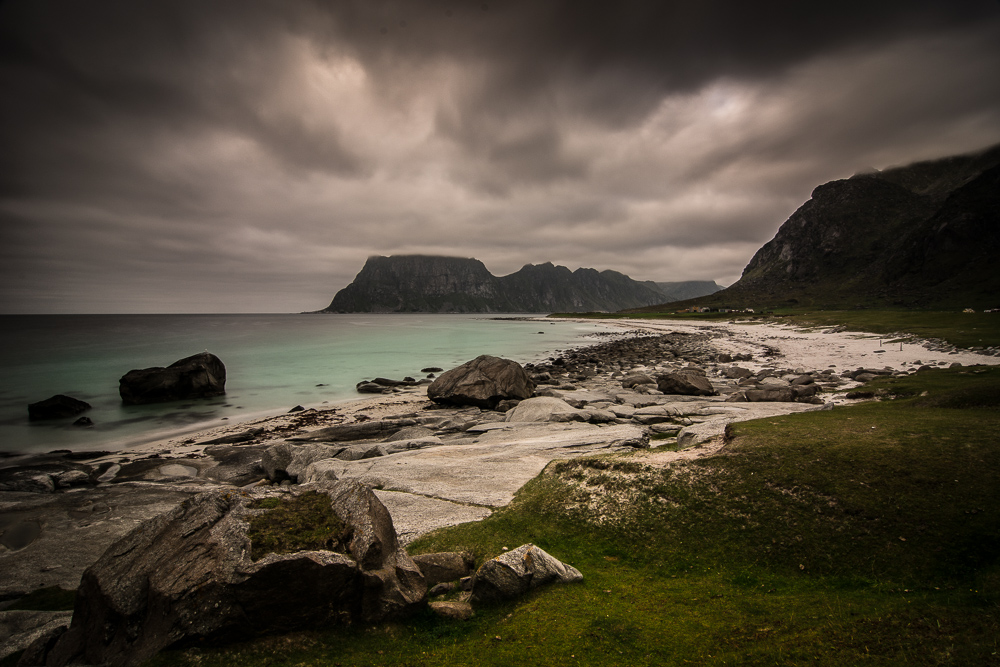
<point x="799" y="347"/>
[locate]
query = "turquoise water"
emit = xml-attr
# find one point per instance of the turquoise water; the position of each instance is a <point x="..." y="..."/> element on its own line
<point x="273" y="363"/>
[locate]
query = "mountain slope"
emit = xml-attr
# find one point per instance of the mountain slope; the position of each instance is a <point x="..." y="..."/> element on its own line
<point x="924" y="235"/>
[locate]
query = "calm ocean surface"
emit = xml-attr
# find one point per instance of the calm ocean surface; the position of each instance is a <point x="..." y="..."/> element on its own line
<point x="273" y="362"/>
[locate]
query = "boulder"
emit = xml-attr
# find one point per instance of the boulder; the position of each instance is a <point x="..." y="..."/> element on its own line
<point x="597" y="416"/>
<point x="454" y="610"/>
<point x="439" y="568"/>
<point x="71" y="478"/>
<point x="514" y="573"/>
<point x="372" y="388"/>
<point x="236" y="465"/>
<point x="187" y="576"/>
<point x="686" y="383"/>
<point x="59" y="406"/>
<point x="509" y="404"/>
<point x="387" y="382"/>
<point x="482" y="382"/>
<point x="737" y="372"/>
<point x="26" y="480"/>
<point x="630" y="381"/>
<point x="198" y="376"/>
<point x="544" y="409"/>
<point x="804" y="390"/>
<point x="287" y="460"/>
<point x="655" y="414"/>
<point x="321" y="473"/>
<point x="771" y="394"/>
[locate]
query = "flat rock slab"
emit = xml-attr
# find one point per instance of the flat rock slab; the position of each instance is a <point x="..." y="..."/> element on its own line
<point x="414" y="515"/>
<point x="73" y="530"/>
<point x="488" y="470"/>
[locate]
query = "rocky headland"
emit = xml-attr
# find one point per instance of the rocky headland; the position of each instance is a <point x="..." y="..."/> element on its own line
<point x="434" y="463"/>
<point x="433" y="284"/>
<point x="922" y="235"/>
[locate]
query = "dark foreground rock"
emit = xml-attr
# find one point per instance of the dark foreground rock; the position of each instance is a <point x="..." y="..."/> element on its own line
<point x="187" y="576"/>
<point x="198" y="376"/>
<point x="516" y="572"/>
<point x="59" y="406"/>
<point x="483" y="382"/>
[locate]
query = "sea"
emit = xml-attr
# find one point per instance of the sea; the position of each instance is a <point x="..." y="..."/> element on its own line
<point x="273" y="363"/>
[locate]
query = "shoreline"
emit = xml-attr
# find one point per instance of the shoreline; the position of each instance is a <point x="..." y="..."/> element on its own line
<point x="274" y="362"/>
<point x="799" y="346"/>
<point x="380" y="404"/>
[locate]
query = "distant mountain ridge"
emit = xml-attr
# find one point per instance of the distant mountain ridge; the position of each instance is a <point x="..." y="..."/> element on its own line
<point x="688" y="289"/>
<point x="436" y="284"/>
<point x="923" y="235"/>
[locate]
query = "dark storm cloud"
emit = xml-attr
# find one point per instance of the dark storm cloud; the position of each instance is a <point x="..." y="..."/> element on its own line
<point x="151" y="150"/>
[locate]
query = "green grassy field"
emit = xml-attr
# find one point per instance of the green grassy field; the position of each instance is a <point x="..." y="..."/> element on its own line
<point x="864" y="535"/>
<point x="960" y="329"/>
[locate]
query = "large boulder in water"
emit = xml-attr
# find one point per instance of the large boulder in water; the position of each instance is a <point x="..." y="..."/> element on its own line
<point x="192" y="574"/>
<point x="198" y="376"/>
<point x="482" y="382"/>
<point x="59" y="406"/>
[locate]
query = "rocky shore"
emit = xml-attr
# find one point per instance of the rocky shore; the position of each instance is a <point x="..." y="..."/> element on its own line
<point x="434" y="464"/>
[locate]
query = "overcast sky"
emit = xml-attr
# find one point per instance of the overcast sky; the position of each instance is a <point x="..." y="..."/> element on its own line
<point x="247" y="156"/>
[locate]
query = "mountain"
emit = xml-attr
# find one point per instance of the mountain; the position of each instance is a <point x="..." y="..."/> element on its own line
<point x="923" y="235"/>
<point x="431" y="284"/>
<point x="688" y="289"/>
<point x="421" y="284"/>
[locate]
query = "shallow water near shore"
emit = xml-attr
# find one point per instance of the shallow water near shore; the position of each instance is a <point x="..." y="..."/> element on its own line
<point x="273" y="363"/>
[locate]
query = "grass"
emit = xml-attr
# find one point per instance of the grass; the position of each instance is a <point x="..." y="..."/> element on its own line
<point x="964" y="330"/>
<point x="302" y="523"/>
<point x="863" y="535"/>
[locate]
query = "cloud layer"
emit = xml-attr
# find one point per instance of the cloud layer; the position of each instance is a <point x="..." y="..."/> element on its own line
<point x="247" y="156"/>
